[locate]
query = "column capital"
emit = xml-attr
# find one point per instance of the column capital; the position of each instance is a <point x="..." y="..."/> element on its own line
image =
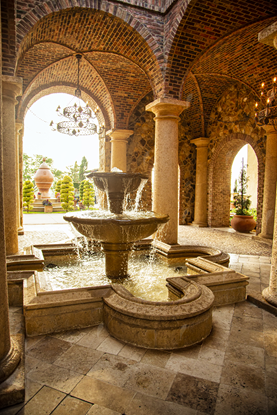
<point x="200" y="141"/>
<point x="12" y="86"/>
<point x="167" y="107"/>
<point x="119" y="135"/>
<point x="269" y="128"/>
<point x="19" y="126"/>
<point x="268" y="36"/>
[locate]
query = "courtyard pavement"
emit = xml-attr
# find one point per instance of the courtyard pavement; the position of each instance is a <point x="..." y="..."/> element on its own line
<point x="232" y="372"/>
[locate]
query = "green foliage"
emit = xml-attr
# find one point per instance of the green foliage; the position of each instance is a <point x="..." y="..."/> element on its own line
<point x="58" y="186"/>
<point x="28" y="194"/>
<point x="242" y="201"/>
<point x="83" y="168"/>
<point x="32" y="163"/>
<point x="81" y="189"/>
<point x="88" y="194"/>
<point x="67" y="193"/>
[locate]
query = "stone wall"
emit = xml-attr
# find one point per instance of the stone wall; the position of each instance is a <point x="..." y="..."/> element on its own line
<point x="231" y="126"/>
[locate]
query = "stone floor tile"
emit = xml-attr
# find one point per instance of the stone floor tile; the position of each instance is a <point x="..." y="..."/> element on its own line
<point x="156" y="358"/>
<point x="265" y="260"/>
<point x="265" y="268"/>
<point x="199" y="368"/>
<point x="237" y="401"/>
<point x="245" y="308"/>
<point x="147" y="405"/>
<point x="218" y="339"/>
<point x="31" y="341"/>
<point x="190" y="391"/>
<point x="43" y="403"/>
<point x="270" y="341"/>
<point x="111" y="345"/>
<point x="78" y="358"/>
<point x="269" y="320"/>
<point x="31" y="363"/>
<point x="272" y="407"/>
<point x="191" y="352"/>
<point x="132" y="352"/>
<point x="242" y="353"/>
<point x="243" y="376"/>
<point x="150" y="380"/>
<point x="104" y="394"/>
<point x="31" y="388"/>
<point x="247" y="337"/>
<point x="71" y="336"/>
<point x="56" y="377"/>
<point x="100" y="410"/>
<point x="48" y="349"/>
<point x="72" y="406"/>
<point x="248" y="323"/>
<point x="212" y="355"/>
<point x="112" y="369"/>
<point x="11" y="410"/>
<point x="94" y="337"/>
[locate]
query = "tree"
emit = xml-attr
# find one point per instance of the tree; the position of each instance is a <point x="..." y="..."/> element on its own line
<point x="67" y="193"/>
<point x="32" y="163"/>
<point x="88" y="194"/>
<point x="81" y="189"/>
<point x="58" y="186"/>
<point x="242" y="202"/>
<point x="28" y="194"/>
<point x="83" y="168"/>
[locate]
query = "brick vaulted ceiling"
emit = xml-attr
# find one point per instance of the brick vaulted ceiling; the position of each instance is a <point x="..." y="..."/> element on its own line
<point x="190" y="49"/>
<point x="117" y="68"/>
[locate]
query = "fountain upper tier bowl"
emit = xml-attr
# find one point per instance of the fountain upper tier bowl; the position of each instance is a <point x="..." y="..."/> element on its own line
<point x="107" y="227"/>
<point x="117" y="185"/>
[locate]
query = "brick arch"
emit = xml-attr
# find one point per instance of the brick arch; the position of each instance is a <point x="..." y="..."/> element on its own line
<point x="62" y="76"/>
<point x="40" y="93"/>
<point x="91" y="29"/>
<point x="219" y="179"/>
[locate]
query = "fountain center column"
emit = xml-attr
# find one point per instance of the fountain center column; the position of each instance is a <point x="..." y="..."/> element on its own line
<point x="165" y="194"/>
<point x="119" y="140"/>
<point x="11" y="88"/>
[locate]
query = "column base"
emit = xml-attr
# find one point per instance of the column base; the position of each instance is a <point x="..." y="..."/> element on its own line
<point x="20" y="231"/>
<point x="199" y="224"/>
<point x="265" y="236"/>
<point x="270" y="296"/>
<point x="12" y="390"/>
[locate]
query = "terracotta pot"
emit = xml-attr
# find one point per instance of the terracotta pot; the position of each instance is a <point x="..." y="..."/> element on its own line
<point x="243" y="223"/>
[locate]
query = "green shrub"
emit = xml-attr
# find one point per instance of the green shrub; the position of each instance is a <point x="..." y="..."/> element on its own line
<point x="28" y="194"/>
<point x="67" y="193"/>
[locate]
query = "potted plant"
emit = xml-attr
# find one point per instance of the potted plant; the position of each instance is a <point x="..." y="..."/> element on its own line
<point x="39" y="195"/>
<point x="48" y="208"/>
<point x="242" y="221"/>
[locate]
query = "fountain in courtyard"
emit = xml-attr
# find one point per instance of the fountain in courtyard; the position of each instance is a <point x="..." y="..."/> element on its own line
<point x="117" y="230"/>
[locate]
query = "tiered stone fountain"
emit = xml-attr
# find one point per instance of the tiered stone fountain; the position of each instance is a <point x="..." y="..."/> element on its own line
<point x="116" y="230"/>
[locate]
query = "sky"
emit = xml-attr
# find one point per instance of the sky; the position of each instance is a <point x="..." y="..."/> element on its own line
<point x="236" y="166"/>
<point x="62" y="148"/>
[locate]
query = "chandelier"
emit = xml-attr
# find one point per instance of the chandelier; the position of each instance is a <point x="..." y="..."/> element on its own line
<point x="79" y="120"/>
<point x="268" y="113"/>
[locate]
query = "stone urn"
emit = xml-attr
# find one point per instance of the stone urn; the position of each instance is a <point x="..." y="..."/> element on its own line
<point x="243" y="223"/>
<point x="44" y="179"/>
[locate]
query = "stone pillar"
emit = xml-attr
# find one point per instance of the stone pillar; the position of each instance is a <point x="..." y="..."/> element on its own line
<point x="119" y="140"/>
<point x="11" y="88"/>
<point x="270" y="179"/>
<point x="165" y="186"/>
<point x="19" y="133"/>
<point x="9" y="351"/>
<point x="200" y="205"/>
<point x="270" y="293"/>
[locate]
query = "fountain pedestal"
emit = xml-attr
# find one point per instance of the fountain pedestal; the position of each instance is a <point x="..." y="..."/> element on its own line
<point x="116" y="259"/>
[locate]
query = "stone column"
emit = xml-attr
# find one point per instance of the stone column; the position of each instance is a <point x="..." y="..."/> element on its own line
<point x="270" y="293"/>
<point x="270" y="179"/>
<point x="11" y="88"/>
<point x="200" y="205"/>
<point x="9" y="350"/>
<point x="119" y="140"/>
<point x="19" y="133"/>
<point x="165" y="186"/>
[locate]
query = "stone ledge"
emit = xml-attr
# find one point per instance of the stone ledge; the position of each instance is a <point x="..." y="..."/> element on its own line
<point x="257" y="299"/>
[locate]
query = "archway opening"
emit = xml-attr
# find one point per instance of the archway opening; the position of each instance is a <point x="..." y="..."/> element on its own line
<point x="69" y="154"/>
<point x="248" y="158"/>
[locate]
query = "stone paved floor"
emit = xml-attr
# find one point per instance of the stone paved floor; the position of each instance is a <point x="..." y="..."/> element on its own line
<point x="234" y="371"/>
